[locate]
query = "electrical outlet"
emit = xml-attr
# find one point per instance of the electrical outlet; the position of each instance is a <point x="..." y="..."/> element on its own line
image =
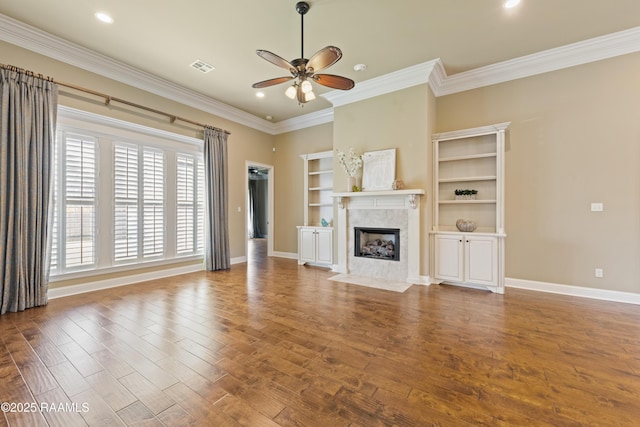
<point x="597" y="207"/>
<point x="599" y="273"/>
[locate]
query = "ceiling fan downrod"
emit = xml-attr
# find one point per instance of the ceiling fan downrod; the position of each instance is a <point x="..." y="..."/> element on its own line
<point x="302" y="7"/>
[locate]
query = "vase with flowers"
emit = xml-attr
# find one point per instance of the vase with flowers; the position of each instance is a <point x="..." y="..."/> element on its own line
<point x="351" y="163"/>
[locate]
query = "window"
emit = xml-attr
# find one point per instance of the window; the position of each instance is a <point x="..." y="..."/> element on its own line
<point x="74" y="233"/>
<point x="138" y="203"/>
<point x="124" y="194"/>
<point x="190" y="204"/>
<point x="126" y="203"/>
<point x="153" y="204"/>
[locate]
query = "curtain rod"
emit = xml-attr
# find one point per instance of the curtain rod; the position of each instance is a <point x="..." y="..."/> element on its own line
<point x="108" y="99"/>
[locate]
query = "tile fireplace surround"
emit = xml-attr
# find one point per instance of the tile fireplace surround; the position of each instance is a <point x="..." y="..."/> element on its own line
<point x="380" y="209"/>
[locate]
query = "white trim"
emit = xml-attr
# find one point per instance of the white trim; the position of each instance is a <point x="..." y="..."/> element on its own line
<point x="577" y="291"/>
<point x="392" y="82"/>
<point x="36" y="40"/>
<point x="302" y="122"/>
<point x="270" y="205"/>
<point x="288" y="255"/>
<point x="66" y="291"/>
<point x="72" y="117"/>
<point x="583" y="52"/>
<point x="432" y="72"/>
<point x="238" y="260"/>
<point x="424" y="280"/>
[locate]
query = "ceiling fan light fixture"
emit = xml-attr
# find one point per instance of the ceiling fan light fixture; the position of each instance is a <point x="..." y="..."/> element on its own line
<point x="306" y="86"/>
<point x="303" y="70"/>
<point x="291" y="92"/>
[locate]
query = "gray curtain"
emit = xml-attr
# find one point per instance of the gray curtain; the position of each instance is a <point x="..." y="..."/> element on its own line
<point x="258" y="207"/>
<point x="28" y="106"/>
<point x="217" y="256"/>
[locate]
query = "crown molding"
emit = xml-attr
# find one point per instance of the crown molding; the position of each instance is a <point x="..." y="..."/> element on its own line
<point x="583" y="52"/>
<point x="36" y="40"/>
<point x="305" y="121"/>
<point x="431" y="72"/>
<point x="394" y="81"/>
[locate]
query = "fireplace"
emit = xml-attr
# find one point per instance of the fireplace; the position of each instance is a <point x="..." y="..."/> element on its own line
<point x="385" y="209"/>
<point x="377" y="243"/>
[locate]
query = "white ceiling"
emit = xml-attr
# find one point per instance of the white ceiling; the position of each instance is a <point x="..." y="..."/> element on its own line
<point x="164" y="37"/>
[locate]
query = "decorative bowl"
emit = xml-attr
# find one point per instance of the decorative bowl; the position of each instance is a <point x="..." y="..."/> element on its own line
<point x="466" y="225"/>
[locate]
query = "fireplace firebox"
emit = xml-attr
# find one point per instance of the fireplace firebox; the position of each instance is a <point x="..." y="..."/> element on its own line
<point x="377" y="243"/>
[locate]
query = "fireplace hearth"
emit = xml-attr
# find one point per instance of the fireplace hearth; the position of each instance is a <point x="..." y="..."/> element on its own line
<point x="377" y="243"/>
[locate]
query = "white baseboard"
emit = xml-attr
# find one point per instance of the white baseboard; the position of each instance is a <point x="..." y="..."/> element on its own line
<point x="238" y="260"/>
<point x="424" y="280"/>
<point x="289" y="255"/>
<point x="66" y="291"/>
<point x="577" y="291"/>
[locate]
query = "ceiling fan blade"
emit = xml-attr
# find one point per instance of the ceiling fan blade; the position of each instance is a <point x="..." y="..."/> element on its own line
<point x="333" y="81"/>
<point x="324" y="58"/>
<point x="275" y="59"/>
<point x="271" y="82"/>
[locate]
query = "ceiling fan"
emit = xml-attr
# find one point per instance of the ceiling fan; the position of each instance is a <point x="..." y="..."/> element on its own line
<point x="304" y="70"/>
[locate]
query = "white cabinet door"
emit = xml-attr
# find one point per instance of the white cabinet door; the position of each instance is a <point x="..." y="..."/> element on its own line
<point x="466" y="258"/>
<point x="307" y="245"/>
<point x="324" y="246"/>
<point x="449" y="257"/>
<point x="481" y="260"/>
<point x="315" y="245"/>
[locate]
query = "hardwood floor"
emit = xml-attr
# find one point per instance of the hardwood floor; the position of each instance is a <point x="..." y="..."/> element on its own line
<point x="271" y="343"/>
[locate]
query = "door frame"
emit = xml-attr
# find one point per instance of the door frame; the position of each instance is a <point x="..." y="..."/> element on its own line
<point x="270" y="190"/>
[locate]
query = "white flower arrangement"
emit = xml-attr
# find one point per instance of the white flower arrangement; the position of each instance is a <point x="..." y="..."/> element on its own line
<point x="352" y="163"/>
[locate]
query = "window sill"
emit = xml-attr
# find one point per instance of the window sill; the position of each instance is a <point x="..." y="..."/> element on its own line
<point x="123" y="268"/>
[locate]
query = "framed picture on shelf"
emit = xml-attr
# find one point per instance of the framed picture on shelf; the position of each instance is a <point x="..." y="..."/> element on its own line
<point x="379" y="170"/>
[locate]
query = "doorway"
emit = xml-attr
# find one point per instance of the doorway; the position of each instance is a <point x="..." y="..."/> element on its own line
<point x="259" y="209"/>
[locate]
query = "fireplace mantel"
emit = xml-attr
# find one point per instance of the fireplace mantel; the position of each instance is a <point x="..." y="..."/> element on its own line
<point x="393" y="204"/>
<point x="378" y="193"/>
<point x="384" y="199"/>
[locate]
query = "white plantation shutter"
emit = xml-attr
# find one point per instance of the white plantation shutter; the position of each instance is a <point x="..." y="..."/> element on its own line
<point x="126" y="172"/>
<point x="153" y="203"/>
<point x="139" y="203"/>
<point x="80" y="201"/>
<point x="185" y="203"/>
<point x="126" y="202"/>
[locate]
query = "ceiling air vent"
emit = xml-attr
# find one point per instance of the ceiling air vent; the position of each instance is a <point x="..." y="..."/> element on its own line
<point x="202" y="66"/>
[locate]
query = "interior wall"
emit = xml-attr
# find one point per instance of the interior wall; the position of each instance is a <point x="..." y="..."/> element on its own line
<point x="289" y="185"/>
<point x="243" y="140"/>
<point x="574" y="140"/>
<point x="400" y="120"/>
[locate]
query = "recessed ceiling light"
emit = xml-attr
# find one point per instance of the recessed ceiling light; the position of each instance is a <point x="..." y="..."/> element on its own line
<point x="359" y="67"/>
<point x="511" y="3"/>
<point x="260" y="94"/>
<point x="269" y="118"/>
<point x="104" y="17"/>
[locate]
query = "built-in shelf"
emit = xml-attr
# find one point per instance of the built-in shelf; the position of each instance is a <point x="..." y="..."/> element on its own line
<point x="469" y="178"/>
<point x="318" y="186"/>
<point x="315" y="242"/>
<point x="467" y="157"/>
<point x="463" y="202"/>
